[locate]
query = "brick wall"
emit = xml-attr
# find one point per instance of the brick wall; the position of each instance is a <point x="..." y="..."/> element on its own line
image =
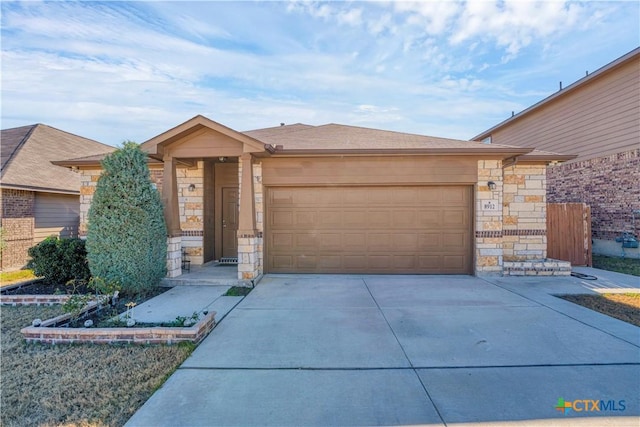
<point x="608" y="184"/>
<point x="17" y="207"/>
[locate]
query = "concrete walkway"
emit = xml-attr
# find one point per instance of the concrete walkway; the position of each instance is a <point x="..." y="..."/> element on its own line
<point x="322" y="350"/>
<point x="185" y="301"/>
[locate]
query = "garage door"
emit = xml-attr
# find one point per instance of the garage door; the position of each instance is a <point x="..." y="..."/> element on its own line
<point x="380" y="230"/>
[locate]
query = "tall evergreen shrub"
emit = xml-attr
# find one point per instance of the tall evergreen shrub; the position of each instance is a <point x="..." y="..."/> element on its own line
<point x="127" y="235"/>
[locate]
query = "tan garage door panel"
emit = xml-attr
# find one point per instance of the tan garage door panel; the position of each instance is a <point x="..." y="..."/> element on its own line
<point x="422" y="229"/>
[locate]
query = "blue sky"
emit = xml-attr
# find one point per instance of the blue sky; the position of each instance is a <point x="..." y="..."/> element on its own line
<point x="113" y="71"/>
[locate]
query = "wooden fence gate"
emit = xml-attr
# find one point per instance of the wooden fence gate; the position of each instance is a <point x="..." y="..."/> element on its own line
<point x="569" y="232"/>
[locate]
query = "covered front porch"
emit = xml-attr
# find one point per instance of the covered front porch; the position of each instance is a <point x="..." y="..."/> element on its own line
<point x="212" y="196"/>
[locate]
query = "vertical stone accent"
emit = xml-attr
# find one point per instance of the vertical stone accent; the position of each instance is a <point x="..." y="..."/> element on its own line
<point x="259" y="206"/>
<point x="488" y="217"/>
<point x="17" y="207"/>
<point x="250" y="248"/>
<point x="525" y="213"/>
<point x="191" y="207"/>
<point x="174" y="256"/>
<point x="88" y="183"/>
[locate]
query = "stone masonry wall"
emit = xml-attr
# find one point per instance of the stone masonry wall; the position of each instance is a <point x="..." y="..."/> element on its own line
<point x="191" y="206"/>
<point x="525" y="213"/>
<point x="488" y="217"/>
<point x="610" y="185"/>
<point x="17" y="207"/>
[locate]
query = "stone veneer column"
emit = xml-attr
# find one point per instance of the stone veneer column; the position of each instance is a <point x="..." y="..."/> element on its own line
<point x="88" y="183"/>
<point x="488" y="217"/>
<point x="525" y="213"/>
<point x="191" y="210"/>
<point x="249" y="237"/>
<point x="174" y="256"/>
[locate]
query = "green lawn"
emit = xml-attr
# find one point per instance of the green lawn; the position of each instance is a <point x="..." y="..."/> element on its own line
<point x="80" y="385"/>
<point x="621" y="265"/>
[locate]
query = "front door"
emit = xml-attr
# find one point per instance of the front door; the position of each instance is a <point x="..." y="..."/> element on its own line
<point x="229" y="222"/>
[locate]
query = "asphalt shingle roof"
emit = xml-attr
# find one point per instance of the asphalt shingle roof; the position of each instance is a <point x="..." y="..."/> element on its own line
<point x="27" y="153"/>
<point x="343" y="137"/>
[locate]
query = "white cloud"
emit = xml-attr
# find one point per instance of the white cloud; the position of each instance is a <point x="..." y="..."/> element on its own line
<point x="513" y="25"/>
<point x="114" y="71"/>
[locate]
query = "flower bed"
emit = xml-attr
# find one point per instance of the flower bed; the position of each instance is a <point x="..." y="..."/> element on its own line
<point x="132" y="335"/>
<point x="57" y="331"/>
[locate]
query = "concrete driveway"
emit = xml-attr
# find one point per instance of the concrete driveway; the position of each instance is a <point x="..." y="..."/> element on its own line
<point x="404" y="350"/>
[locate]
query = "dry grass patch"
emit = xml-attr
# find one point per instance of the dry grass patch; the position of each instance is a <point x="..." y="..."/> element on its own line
<point x="10" y="277"/>
<point x="81" y="385"/>
<point x="625" y="307"/>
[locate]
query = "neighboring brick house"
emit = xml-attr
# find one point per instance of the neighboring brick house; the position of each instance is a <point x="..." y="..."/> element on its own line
<point x="37" y="198"/>
<point x="597" y="118"/>
<point x="344" y="199"/>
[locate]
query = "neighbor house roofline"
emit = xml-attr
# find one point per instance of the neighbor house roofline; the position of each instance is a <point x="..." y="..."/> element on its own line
<point x="562" y="92"/>
<point x="38" y="189"/>
<point x="94" y="161"/>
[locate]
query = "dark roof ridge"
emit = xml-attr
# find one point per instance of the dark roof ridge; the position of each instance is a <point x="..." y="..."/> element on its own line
<point x="24" y="139"/>
<point x="76" y="135"/>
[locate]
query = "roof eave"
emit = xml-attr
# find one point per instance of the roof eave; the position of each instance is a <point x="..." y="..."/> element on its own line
<point x="39" y="189"/>
<point x="546" y="158"/>
<point x="493" y="152"/>
<point x="93" y="162"/>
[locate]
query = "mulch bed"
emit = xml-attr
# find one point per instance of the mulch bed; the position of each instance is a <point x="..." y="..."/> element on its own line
<point x="625" y="307"/>
<point x="99" y="318"/>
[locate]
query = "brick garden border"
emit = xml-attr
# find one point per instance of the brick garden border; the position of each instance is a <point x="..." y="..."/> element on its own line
<point x="15" y="300"/>
<point x="145" y="335"/>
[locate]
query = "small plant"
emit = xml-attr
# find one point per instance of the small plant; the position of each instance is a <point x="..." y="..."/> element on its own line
<point x="59" y="260"/>
<point x="76" y="304"/>
<point x="185" y="321"/>
<point x="104" y="287"/>
<point x="237" y="291"/>
<point x="78" y="301"/>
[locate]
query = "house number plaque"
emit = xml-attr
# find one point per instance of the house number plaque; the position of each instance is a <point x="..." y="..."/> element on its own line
<point x="490" y="205"/>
